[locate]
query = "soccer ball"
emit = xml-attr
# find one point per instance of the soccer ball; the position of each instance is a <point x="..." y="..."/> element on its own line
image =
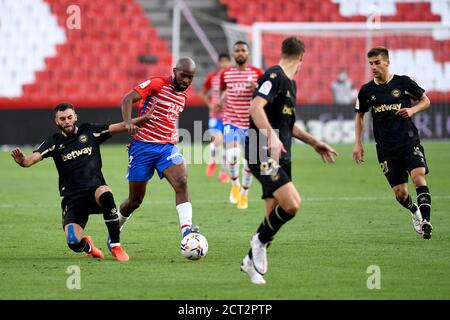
<point x="194" y="246"/>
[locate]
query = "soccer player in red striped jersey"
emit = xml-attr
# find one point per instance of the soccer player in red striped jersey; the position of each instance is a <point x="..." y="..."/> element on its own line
<point x="211" y="86"/>
<point x="238" y="82"/>
<point x="153" y="147"/>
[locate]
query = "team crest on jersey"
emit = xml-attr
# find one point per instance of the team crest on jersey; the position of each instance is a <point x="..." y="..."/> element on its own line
<point x="373" y="98"/>
<point x="288" y="94"/>
<point x="83" y="138"/>
<point x="395" y="93"/>
<point x="61" y="146"/>
<point x="273" y="75"/>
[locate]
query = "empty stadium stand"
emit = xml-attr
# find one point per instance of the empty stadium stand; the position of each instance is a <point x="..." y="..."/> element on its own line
<point x="422" y="57"/>
<point x="45" y="61"/>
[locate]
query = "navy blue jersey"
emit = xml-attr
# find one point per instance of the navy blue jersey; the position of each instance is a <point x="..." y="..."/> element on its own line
<point x="280" y="93"/>
<point x="77" y="157"/>
<point x="383" y="100"/>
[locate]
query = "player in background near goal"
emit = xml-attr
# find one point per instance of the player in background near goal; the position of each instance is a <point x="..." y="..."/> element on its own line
<point x="238" y="83"/>
<point x="268" y="151"/>
<point x="211" y="86"/>
<point x="388" y="97"/>
<point x="76" y="153"/>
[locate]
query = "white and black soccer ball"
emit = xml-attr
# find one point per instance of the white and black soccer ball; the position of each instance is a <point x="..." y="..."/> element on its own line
<point x="194" y="246"/>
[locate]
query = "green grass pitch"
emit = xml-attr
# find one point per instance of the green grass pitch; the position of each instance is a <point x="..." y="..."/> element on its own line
<point x="349" y="221"/>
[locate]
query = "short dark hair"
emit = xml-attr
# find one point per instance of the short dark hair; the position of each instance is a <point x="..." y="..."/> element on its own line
<point x="292" y="47"/>
<point x="64" y="106"/>
<point x="378" y="51"/>
<point x="240" y="42"/>
<point x="224" y="55"/>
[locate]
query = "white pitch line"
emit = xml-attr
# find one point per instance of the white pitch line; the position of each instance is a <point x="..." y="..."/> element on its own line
<point x="150" y="202"/>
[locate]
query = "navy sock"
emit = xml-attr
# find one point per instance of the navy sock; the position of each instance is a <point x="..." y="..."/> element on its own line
<point x="271" y="225"/>
<point x="424" y="202"/>
<point x="110" y="216"/>
<point x="408" y="204"/>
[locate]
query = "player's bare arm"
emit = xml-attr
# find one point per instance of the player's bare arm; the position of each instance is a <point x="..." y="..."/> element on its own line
<point x="126" y="108"/>
<point x="121" y="126"/>
<point x="214" y="107"/>
<point x="260" y="119"/>
<point x="23" y="160"/>
<point x="358" y="150"/>
<point x="326" y="152"/>
<point x="423" y="104"/>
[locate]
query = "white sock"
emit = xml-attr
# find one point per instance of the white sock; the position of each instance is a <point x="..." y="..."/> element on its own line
<point x="246" y="179"/>
<point x="114" y="245"/>
<point x="232" y="155"/>
<point x="212" y="152"/>
<point x="122" y="219"/>
<point x="185" y="215"/>
<point x="223" y="160"/>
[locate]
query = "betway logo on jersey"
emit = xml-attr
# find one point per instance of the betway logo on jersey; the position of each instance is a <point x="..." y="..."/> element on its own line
<point x="387" y="107"/>
<point x="76" y="153"/>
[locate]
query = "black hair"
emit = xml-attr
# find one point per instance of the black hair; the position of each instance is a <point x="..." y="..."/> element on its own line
<point x="63" y="106"/>
<point x="224" y="55"/>
<point x="240" y="42"/>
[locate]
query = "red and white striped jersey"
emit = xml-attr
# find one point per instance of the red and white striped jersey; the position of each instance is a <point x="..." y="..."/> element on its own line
<point x="212" y="84"/>
<point x="160" y="97"/>
<point x="236" y="84"/>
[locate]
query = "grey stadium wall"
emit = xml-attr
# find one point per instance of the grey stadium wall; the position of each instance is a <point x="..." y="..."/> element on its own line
<point x="331" y="123"/>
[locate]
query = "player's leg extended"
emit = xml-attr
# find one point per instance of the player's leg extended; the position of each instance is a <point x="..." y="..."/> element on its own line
<point x="233" y="153"/>
<point x="211" y="167"/>
<point x="136" y="194"/>
<point x="394" y="170"/>
<point x="246" y="183"/>
<point x="270" y="204"/>
<point x="423" y="199"/>
<point x="247" y="265"/>
<point x="142" y="159"/>
<point x="404" y="198"/>
<point x="77" y="242"/>
<point x="220" y="152"/>
<point x="105" y="199"/>
<point x="177" y="177"/>
<point x="283" y="208"/>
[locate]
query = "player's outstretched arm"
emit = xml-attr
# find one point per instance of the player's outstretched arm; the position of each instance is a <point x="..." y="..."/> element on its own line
<point x="327" y="152"/>
<point x="23" y="160"/>
<point x="423" y="104"/>
<point x="121" y="126"/>
<point x="358" y="150"/>
<point x="126" y="107"/>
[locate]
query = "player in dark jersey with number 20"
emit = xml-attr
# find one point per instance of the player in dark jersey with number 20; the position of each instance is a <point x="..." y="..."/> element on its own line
<point x="76" y="153"/>
<point x="399" y="151"/>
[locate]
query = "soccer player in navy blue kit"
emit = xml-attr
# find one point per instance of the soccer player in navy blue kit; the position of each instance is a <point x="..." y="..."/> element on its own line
<point x="388" y="97"/>
<point x="76" y="153"/>
<point x="268" y="152"/>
